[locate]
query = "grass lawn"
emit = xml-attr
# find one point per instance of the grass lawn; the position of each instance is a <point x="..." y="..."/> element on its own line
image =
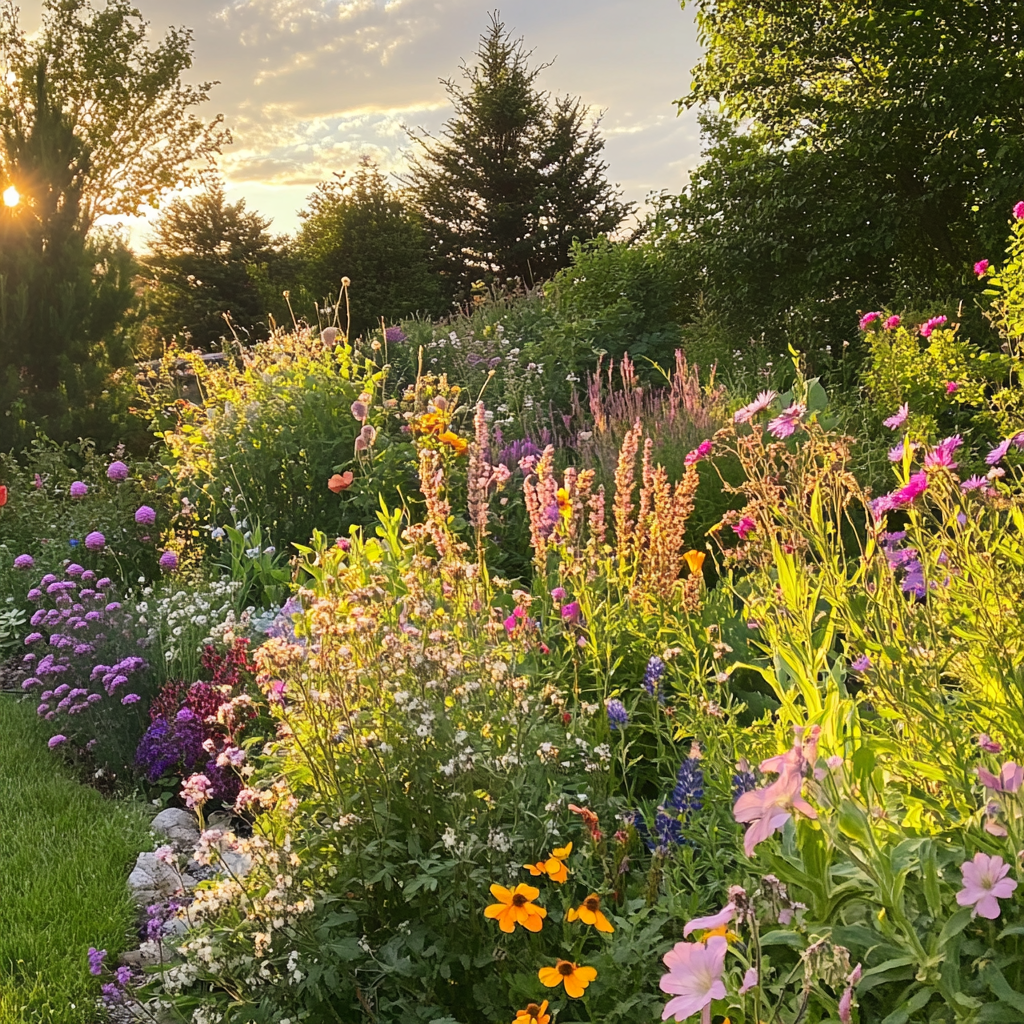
<point x="65" y="854"/>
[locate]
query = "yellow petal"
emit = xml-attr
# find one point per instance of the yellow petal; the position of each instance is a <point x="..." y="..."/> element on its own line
<point x="602" y="923"/>
<point x="499" y="892"/>
<point x="571" y="916"/>
<point x="495" y="909"/>
<point x="574" y="986"/>
<point x="522" y="889"/>
<point x="586" y="974"/>
<point x="549" y="976"/>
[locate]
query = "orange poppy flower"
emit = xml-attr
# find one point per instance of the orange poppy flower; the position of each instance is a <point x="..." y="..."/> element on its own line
<point x="533" y="1014"/>
<point x="589" y="912"/>
<point x="553" y="866"/>
<point x="575" y="979"/>
<point x="3" y="495"/>
<point x="340" y="482"/>
<point x="695" y="560"/>
<point x="515" y="906"/>
<point x="456" y="443"/>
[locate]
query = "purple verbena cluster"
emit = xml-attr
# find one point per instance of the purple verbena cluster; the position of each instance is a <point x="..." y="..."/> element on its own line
<point x="172" y="746"/>
<point x="76" y="624"/>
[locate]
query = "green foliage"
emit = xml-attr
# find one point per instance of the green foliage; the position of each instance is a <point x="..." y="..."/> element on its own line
<point x="515" y="179"/>
<point x="203" y="252"/>
<point x="362" y="229"/>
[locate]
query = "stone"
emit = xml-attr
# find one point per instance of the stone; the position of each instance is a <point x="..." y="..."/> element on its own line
<point x="152" y="880"/>
<point x="176" y="824"/>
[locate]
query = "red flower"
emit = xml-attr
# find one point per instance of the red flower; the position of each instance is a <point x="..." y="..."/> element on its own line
<point x="3" y="495"/>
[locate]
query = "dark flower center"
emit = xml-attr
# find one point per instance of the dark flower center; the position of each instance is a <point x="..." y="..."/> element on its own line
<point x="518" y="900"/>
<point x="592" y="903"/>
<point x="533" y="1011"/>
<point x="565" y="968"/>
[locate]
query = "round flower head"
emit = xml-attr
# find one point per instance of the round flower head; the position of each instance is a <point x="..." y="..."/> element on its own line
<point x="516" y="906"/>
<point x="24" y="562"/>
<point x="589" y="912"/>
<point x="169" y="561"/>
<point x="145" y="516"/>
<point x="1018" y="211"/>
<point x="79" y="490"/>
<point x="95" y="541"/>
<point x="574" y="977"/>
<point x="56" y="741"/>
<point x="117" y="471"/>
<point x="533" y="1014"/>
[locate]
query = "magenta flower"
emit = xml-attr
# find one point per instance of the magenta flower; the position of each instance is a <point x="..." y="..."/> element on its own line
<point x="787" y="421"/>
<point x="928" y="326"/>
<point x="571" y="611"/>
<point x="941" y="457"/>
<point x="952" y="387"/>
<point x="744" y="527"/>
<point x="702" y="451"/>
<point x="95" y="541"/>
<point x="117" y="471"/>
<point x="1009" y="779"/>
<point x="24" y="562"/>
<point x="558" y="594"/>
<point x="996" y="455"/>
<point x="1018" y="211"/>
<point x="892" y="323"/>
<point x="169" y="561"/>
<point x="510" y="624"/>
<point x="79" y="490"/>
<point x="703" y="924"/>
<point x="145" y="516"/>
<point x="981" y="268"/>
<point x="988" y="744"/>
<point x="985" y="883"/>
<point x="748" y="412"/>
<point x="130" y="698"/>
<point x="694" y="977"/>
<point x="846" y="999"/>
<point x="56" y="741"/>
<point x="913" y="489"/>
<point x="896" y="452"/>
<point x="897" y="420"/>
<point x="861" y="663"/>
<point x="749" y="981"/>
<point x="867" y="319"/>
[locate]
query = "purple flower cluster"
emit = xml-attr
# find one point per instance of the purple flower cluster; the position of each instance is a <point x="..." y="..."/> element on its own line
<point x="172" y="747"/>
<point x="906" y="562"/>
<point x="618" y="716"/>
<point x="653" y="673"/>
<point x="688" y="795"/>
<point x="74" y="625"/>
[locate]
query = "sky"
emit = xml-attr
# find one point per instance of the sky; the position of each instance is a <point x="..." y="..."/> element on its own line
<point x="307" y="87"/>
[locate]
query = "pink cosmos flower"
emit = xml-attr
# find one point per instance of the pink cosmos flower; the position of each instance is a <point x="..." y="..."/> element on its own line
<point x="694" y="978"/>
<point x="744" y="527"/>
<point x="988" y="744"/>
<point x="1009" y="779"/>
<point x="952" y="387"/>
<point x="787" y="421"/>
<point x="928" y="326"/>
<point x="748" y="412"/>
<point x="767" y="810"/>
<point x="1018" y="211"/>
<point x="867" y="319"/>
<point x="892" y="323"/>
<point x="897" y="420"/>
<point x="980" y="268"/>
<point x="913" y="489"/>
<point x="985" y="883"/>
<point x="703" y="924"/>
<point x="749" y="981"/>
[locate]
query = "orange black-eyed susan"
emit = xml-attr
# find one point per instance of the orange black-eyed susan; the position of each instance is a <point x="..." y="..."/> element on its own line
<point x="516" y="906"/>
<point x="589" y="912"/>
<point x="533" y="1014"/>
<point x="554" y="867"/>
<point x="572" y="976"/>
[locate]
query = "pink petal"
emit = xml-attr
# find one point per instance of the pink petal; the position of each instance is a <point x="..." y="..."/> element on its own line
<point x="724" y="916"/>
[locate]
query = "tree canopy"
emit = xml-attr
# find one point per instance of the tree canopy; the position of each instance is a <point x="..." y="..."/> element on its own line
<point x="357" y="226"/>
<point x="515" y="176"/>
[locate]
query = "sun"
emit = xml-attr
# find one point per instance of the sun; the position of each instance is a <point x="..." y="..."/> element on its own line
<point x="11" y="196"/>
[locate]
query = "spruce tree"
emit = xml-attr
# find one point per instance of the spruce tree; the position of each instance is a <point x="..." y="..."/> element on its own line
<point x="515" y="176"/>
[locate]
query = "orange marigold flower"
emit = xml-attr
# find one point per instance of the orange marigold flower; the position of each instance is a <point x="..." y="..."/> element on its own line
<point x="553" y="867"/>
<point x="589" y="912"/>
<point x="515" y="907"/>
<point x="533" y="1014"/>
<point x="340" y="482"/>
<point x="431" y="423"/>
<point x="695" y="560"/>
<point x="575" y="978"/>
<point x="456" y="443"/>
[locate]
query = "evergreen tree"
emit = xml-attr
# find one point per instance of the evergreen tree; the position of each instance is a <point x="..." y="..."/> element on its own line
<point x="204" y="256"/>
<point x="515" y="177"/>
<point x="360" y="228"/>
